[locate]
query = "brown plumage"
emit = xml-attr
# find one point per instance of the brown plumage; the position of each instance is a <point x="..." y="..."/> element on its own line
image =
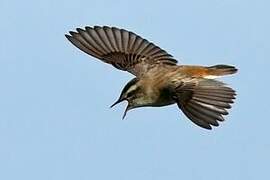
<point x="159" y="80"/>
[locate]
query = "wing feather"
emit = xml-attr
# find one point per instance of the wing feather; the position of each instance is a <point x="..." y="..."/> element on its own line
<point x="82" y="44"/>
<point x="111" y="38"/>
<point x="96" y="40"/>
<point x="88" y="40"/>
<point x="125" y="40"/>
<point x="204" y="101"/>
<point x="123" y="49"/>
<point x="104" y="38"/>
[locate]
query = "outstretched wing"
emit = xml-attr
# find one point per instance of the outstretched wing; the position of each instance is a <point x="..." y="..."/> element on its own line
<point x="204" y="101"/>
<point x="121" y="48"/>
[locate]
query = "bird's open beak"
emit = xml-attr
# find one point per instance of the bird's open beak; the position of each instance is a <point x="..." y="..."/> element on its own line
<point x="127" y="108"/>
<point x="117" y="102"/>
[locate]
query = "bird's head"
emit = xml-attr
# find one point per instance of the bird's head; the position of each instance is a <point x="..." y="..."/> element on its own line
<point x="133" y="93"/>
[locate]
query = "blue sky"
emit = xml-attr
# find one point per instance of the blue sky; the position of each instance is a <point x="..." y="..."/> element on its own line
<point x="55" y="120"/>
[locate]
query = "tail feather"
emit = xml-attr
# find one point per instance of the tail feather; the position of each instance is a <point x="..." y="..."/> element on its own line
<point x="205" y="102"/>
<point x="210" y="72"/>
<point x="221" y="70"/>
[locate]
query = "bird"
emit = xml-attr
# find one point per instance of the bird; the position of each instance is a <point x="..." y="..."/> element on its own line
<point x="159" y="80"/>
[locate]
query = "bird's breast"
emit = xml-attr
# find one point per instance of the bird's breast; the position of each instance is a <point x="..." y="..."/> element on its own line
<point x="157" y="88"/>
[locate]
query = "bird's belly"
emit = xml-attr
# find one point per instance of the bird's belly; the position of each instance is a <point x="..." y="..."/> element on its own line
<point x="157" y="90"/>
<point x="159" y="104"/>
<point x="164" y="99"/>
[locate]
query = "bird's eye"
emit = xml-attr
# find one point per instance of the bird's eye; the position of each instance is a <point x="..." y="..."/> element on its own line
<point x="130" y="93"/>
<point x="133" y="93"/>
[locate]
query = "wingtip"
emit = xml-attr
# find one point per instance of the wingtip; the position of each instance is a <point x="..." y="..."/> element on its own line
<point x="97" y="27"/>
<point x="67" y="36"/>
<point x="88" y="28"/>
<point x="79" y="30"/>
<point x="72" y="33"/>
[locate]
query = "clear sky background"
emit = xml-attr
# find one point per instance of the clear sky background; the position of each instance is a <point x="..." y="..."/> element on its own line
<point x="55" y="120"/>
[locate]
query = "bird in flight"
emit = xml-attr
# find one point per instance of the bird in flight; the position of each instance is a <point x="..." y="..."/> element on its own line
<point x="159" y="81"/>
